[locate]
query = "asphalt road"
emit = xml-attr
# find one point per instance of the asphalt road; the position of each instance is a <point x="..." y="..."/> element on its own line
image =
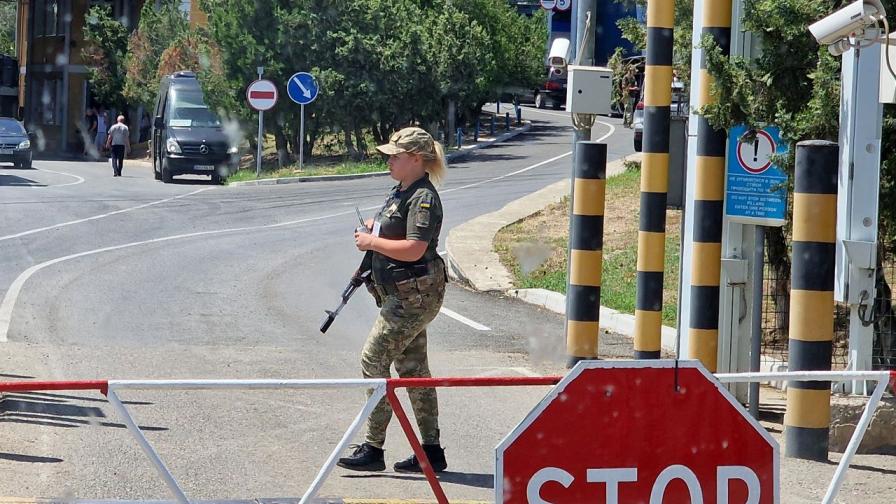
<point x="129" y="278"/>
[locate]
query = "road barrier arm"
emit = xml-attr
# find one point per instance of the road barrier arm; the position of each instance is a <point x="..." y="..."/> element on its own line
<point x="490" y="381"/>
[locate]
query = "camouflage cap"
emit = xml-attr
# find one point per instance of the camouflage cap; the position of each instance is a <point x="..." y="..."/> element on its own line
<point x="412" y="139"/>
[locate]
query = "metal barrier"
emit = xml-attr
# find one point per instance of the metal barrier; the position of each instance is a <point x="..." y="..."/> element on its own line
<point x="883" y="378"/>
<point x="110" y="387"/>
<point x="386" y="388"/>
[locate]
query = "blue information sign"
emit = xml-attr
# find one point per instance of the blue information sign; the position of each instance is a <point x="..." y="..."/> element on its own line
<point x="302" y="88"/>
<point x="756" y="190"/>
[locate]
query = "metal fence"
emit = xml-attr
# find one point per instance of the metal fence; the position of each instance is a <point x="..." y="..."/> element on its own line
<point x="775" y="321"/>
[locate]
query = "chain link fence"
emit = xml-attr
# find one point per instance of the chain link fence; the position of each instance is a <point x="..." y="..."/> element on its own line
<point x="776" y="321"/>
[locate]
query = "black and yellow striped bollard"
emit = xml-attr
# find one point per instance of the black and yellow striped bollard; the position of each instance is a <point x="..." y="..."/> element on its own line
<point x="586" y="240"/>
<point x="808" y="417"/>
<point x="709" y="193"/>
<point x="654" y="179"/>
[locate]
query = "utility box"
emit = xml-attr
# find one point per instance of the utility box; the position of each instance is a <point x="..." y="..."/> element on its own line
<point x="887" y="79"/>
<point x="678" y="158"/>
<point x="589" y="90"/>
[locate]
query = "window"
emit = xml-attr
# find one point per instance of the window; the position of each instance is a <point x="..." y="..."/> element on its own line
<point x="188" y="109"/>
<point x="48" y="18"/>
<point x="45" y="100"/>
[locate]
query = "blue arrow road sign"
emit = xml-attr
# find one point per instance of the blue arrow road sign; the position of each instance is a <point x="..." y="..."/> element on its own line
<point x="302" y="88"/>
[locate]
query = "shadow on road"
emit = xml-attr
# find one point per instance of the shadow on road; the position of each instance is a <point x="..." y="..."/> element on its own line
<point x="31" y="459"/>
<point x="478" y="480"/>
<point x="13" y="180"/>
<point x="53" y="410"/>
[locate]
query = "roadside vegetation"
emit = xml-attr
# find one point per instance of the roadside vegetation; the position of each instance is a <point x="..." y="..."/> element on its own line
<point x="535" y="249"/>
<point x="380" y="64"/>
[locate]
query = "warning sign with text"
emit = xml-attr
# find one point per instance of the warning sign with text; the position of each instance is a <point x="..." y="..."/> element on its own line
<point x="756" y="189"/>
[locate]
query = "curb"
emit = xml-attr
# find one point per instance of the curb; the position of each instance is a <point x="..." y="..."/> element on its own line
<point x="610" y="319"/>
<point x="471" y="257"/>
<point x="451" y="156"/>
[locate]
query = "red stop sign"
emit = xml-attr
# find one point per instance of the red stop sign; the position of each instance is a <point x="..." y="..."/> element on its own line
<point x="620" y="432"/>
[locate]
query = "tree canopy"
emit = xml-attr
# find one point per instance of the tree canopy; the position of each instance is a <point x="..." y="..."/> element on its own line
<point x="381" y="64"/>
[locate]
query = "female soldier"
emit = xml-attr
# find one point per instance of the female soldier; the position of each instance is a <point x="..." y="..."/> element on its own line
<point x="409" y="278"/>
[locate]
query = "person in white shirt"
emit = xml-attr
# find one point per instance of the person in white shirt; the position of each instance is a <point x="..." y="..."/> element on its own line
<point x="119" y="142"/>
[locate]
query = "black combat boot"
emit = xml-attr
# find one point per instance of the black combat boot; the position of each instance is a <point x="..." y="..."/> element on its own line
<point x="436" y="455"/>
<point x="366" y="457"/>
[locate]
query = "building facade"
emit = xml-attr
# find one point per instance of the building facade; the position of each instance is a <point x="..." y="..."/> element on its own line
<point x="53" y="85"/>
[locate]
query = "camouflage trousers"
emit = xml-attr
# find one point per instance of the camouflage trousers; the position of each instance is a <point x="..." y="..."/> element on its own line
<point x="399" y="336"/>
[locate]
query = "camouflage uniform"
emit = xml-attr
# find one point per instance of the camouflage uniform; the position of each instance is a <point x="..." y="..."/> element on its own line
<point x="412" y="294"/>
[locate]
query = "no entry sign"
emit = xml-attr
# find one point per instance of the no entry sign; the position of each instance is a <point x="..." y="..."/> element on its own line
<point x="262" y="95"/>
<point x="638" y="431"/>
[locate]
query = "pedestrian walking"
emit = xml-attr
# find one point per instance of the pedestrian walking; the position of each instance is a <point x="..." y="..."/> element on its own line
<point x="409" y="284"/>
<point x="101" y="128"/>
<point x="630" y="92"/>
<point x="119" y="143"/>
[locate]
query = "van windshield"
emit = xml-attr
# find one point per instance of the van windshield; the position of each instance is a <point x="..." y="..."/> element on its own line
<point x="188" y="109"/>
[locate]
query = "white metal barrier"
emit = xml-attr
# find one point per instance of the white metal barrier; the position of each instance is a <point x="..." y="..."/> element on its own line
<point x="378" y="387"/>
<point x="882" y="378"/>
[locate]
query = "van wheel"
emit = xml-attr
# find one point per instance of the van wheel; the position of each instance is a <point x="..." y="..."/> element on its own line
<point x="539" y="101"/>
<point x="166" y="173"/>
<point x="217" y="179"/>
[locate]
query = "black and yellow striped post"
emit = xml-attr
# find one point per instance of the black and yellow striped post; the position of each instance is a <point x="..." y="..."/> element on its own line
<point x="654" y="179"/>
<point x="709" y="188"/>
<point x="808" y="417"/>
<point x="586" y="242"/>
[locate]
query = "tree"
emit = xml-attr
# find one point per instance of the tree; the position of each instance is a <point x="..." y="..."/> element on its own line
<point x="104" y="53"/>
<point x="161" y="23"/>
<point x="8" y="28"/>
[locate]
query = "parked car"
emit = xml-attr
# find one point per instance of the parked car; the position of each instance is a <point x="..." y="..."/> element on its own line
<point x="187" y="137"/>
<point x="553" y="91"/>
<point x="679" y="107"/>
<point x="15" y="146"/>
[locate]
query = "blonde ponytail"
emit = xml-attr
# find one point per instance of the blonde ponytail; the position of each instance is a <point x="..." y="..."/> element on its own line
<point x="436" y="166"/>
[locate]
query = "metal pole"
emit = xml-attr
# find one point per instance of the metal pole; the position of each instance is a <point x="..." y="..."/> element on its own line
<point x="756" y="322"/>
<point x="302" y="137"/>
<point x="66" y="10"/>
<point x="654" y="181"/>
<point x="709" y="192"/>
<point x="808" y="419"/>
<point x="260" y="133"/>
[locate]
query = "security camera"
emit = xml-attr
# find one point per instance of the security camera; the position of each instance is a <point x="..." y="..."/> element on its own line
<point x="849" y="21"/>
<point x="559" y="53"/>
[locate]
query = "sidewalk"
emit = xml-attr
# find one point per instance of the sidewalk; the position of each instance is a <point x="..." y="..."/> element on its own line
<point x="471" y="257"/>
<point x="464" y="151"/>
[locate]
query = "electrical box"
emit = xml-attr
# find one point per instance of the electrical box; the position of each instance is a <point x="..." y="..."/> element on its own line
<point x="887" y="79"/>
<point x="678" y="158"/>
<point x="589" y="90"/>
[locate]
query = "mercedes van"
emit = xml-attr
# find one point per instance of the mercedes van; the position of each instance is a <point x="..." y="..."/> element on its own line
<point x="187" y="137"/>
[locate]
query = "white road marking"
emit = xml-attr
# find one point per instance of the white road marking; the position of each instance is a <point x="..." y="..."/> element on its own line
<point x="536" y="165"/>
<point x="95" y="217"/>
<point x="79" y="181"/>
<point x="464" y="320"/>
<point x="12" y="294"/>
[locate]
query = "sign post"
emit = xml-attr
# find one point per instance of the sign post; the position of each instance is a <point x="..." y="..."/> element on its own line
<point x="262" y="95"/>
<point x="638" y="431"/>
<point x="755" y="197"/>
<point x="302" y="88"/>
